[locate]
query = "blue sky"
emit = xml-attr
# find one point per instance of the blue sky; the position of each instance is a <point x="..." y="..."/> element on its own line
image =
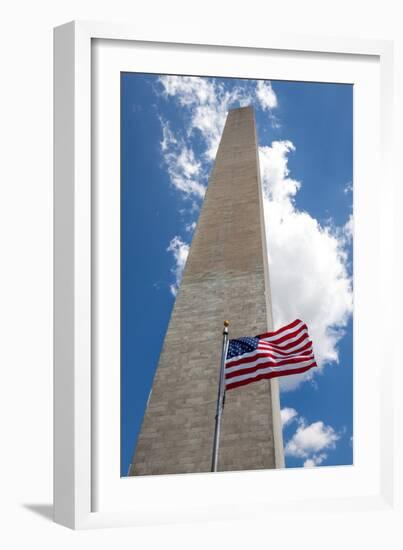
<point x="170" y="129"/>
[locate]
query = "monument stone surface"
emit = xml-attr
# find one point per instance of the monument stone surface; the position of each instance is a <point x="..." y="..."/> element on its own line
<point x="226" y="277"/>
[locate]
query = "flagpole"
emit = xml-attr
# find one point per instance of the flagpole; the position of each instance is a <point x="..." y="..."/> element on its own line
<point x="220" y="398"/>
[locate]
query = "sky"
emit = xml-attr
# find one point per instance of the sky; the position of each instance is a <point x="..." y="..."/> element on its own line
<point x="170" y="130"/>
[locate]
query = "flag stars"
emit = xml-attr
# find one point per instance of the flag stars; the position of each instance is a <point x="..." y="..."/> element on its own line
<point x="241" y="346"/>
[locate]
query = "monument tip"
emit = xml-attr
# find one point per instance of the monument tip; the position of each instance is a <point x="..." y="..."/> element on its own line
<point x="243" y="108"/>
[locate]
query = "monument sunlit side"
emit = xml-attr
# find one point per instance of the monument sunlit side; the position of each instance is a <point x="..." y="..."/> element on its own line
<point x="226" y="277"/>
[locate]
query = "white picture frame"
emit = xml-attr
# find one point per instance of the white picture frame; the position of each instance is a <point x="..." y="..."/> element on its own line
<point x="88" y="492"/>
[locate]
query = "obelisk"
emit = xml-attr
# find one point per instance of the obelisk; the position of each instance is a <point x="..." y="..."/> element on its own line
<point x="226" y="277"/>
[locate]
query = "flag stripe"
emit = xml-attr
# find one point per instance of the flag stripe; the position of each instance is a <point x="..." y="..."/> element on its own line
<point x="267" y="347"/>
<point x="292" y="343"/>
<point x="263" y="362"/>
<point x="278" y="340"/>
<point x="273" y="374"/>
<point x="288" y="339"/>
<point x="280" y="330"/>
<point x="266" y="369"/>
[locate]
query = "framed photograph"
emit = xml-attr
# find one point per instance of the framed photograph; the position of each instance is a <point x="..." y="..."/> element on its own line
<point x="220" y="247"/>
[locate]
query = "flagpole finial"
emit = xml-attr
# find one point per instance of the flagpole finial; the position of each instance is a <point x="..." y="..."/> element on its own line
<point x="226" y="323"/>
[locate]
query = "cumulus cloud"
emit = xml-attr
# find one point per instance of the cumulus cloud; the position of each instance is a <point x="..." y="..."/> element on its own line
<point x="265" y="94"/>
<point x="316" y="460"/>
<point x="288" y="414"/>
<point x="180" y="251"/>
<point x="310" y="440"/>
<point x="308" y="262"/>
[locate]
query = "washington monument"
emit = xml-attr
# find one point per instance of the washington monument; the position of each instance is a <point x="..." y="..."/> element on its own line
<point x="226" y="277"/>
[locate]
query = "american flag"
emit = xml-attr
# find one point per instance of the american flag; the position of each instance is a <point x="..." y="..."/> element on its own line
<point x="285" y="351"/>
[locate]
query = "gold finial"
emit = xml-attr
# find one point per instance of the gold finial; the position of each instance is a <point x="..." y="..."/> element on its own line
<point x="226" y="323"/>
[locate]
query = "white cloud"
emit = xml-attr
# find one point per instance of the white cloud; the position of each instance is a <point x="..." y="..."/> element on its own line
<point x="348" y="228"/>
<point x="190" y="90"/>
<point x="348" y="188"/>
<point x="180" y="251"/>
<point x="187" y="162"/>
<point x="308" y="262"/>
<point x="183" y="169"/>
<point x="288" y="414"/>
<point x="309" y="463"/>
<point x="168" y="139"/>
<point x="315" y="460"/>
<point x="266" y="96"/>
<point x="190" y="227"/>
<point x="309" y="441"/>
<point x="278" y="186"/>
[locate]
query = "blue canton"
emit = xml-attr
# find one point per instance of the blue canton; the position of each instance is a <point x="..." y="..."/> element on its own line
<point x="241" y="346"/>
